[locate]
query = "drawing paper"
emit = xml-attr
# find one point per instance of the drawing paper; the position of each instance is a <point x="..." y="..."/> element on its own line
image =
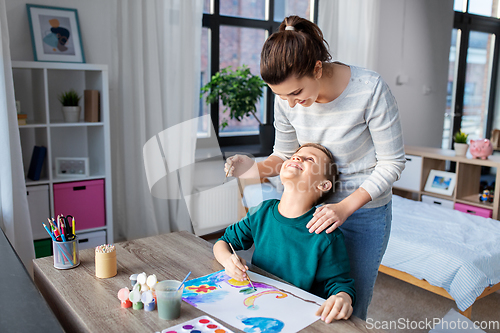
<point x="273" y="307"/>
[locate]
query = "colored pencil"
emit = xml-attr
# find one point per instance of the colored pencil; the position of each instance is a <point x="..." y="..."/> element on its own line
<point x="50" y="234"/>
<point x="50" y="223"/>
<point x="74" y="236"/>
<point x="58" y="246"/>
<point x="248" y="277"/>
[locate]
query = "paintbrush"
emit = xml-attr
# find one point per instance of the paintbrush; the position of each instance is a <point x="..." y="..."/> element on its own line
<point x="227" y="173"/>
<point x="225" y="179"/>
<point x="248" y="277"/>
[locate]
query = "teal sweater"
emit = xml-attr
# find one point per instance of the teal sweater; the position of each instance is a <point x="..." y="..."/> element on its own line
<point x="284" y="247"/>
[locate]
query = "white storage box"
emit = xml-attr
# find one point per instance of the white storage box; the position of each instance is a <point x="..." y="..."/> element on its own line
<point x="38" y="202"/>
<point x="437" y="201"/>
<point x="87" y="240"/>
<point x="411" y="176"/>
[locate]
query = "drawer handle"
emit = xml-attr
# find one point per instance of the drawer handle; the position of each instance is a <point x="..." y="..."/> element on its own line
<point x="408" y="159"/>
<point x="471" y="211"/>
<point x="79" y="188"/>
<point x="85" y="240"/>
<point x="437" y="202"/>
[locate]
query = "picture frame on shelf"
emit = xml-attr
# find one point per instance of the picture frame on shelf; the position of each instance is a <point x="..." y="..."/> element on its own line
<point x="441" y="182"/>
<point x="55" y="34"/>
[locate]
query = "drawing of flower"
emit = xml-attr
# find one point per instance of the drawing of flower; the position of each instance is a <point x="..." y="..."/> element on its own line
<point x="204" y="288"/>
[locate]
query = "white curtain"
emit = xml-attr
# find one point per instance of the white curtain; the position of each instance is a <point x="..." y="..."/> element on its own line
<point x="351" y="28"/>
<point x="14" y="213"/>
<point x="155" y="84"/>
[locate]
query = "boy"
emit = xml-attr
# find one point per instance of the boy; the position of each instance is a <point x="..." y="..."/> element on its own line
<point x="284" y="247"/>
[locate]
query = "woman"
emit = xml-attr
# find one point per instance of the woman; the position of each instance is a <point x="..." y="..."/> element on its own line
<point x="352" y="112"/>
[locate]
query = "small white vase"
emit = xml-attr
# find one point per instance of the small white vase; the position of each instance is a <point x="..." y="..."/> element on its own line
<point x="461" y="149"/>
<point x="71" y="113"/>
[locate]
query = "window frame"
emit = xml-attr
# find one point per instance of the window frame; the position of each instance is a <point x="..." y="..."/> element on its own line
<point x="213" y="22"/>
<point x="467" y="22"/>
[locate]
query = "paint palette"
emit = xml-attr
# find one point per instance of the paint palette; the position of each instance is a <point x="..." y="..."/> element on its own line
<point x="203" y="324"/>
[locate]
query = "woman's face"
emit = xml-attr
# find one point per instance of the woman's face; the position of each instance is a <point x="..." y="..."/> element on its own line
<point x="303" y="91"/>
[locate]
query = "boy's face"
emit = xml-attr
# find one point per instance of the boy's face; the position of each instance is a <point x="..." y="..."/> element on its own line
<point x="307" y="168"/>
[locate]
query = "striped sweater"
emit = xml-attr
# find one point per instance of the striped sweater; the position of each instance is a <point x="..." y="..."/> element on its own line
<point x="361" y="128"/>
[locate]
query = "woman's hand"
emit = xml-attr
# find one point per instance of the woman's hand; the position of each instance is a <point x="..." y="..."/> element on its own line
<point x="241" y="166"/>
<point x="331" y="215"/>
<point x="336" y="307"/>
<point x="334" y="215"/>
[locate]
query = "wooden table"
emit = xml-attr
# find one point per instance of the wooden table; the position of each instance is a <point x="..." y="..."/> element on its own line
<point x="84" y="303"/>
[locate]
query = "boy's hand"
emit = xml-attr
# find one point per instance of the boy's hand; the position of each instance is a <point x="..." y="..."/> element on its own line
<point x="336" y="307"/>
<point x="235" y="268"/>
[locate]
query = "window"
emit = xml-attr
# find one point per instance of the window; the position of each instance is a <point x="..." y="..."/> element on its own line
<point x="473" y="68"/>
<point x="233" y="34"/>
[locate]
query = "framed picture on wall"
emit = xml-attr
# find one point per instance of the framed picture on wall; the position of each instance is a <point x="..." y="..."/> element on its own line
<point x="441" y="182"/>
<point x="55" y="34"/>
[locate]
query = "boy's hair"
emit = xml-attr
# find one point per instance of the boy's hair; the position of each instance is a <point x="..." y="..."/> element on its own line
<point x="331" y="172"/>
<point x="293" y="51"/>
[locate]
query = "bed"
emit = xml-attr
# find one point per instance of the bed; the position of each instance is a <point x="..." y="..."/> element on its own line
<point x="445" y="251"/>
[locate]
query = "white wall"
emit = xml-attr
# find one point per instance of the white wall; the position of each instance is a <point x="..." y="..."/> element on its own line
<point x="424" y="58"/>
<point x="95" y="17"/>
<point x="415" y="41"/>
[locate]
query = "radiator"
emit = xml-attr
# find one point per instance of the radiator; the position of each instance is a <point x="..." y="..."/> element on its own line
<point x="214" y="208"/>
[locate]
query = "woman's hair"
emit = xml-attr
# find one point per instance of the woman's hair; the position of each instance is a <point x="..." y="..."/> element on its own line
<point x="293" y="51"/>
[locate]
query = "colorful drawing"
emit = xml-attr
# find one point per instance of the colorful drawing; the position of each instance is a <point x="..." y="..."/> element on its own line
<point x="262" y="325"/>
<point x="249" y="302"/>
<point x="201" y="289"/>
<point x="236" y="283"/>
<point x="247" y="291"/>
<point x="281" y="307"/>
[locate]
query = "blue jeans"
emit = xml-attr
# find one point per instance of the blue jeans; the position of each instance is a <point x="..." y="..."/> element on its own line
<point x="366" y="235"/>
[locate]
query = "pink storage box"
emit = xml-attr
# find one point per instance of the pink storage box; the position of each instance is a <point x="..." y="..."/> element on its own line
<point x="84" y="200"/>
<point x="484" y="212"/>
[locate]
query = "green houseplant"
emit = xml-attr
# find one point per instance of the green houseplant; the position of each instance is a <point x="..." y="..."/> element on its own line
<point x="461" y="145"/>
<point x="238" y="90"/>
<point x="71" y="109"/>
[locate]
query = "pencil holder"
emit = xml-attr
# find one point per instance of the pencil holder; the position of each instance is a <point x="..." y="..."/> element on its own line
<point x="66" y="254"/>
<point x="105" y="261"/>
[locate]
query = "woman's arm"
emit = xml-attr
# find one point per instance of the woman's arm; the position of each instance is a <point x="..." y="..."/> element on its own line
<point x="285" y="144"/>
<point x="384" y="124"/>
<point x="382" y="118"/>
<point x="270" y="167"/>
<point x="242" y="166"/>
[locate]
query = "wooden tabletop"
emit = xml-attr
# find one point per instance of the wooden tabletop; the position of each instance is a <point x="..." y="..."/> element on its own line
<point x="84" y="303"/>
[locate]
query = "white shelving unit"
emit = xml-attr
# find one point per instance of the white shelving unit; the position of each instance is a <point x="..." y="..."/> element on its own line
<point x="421" y="160"/>
<point x="37" y="85"/>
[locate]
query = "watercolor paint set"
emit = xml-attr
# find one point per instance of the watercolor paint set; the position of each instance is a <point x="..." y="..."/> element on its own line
<point x="203" y="324"/>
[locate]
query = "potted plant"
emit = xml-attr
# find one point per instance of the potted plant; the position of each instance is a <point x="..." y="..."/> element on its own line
<point x="461" y="145"/>
<point x="70" y="108"/>
<point x="239" y="92"/>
